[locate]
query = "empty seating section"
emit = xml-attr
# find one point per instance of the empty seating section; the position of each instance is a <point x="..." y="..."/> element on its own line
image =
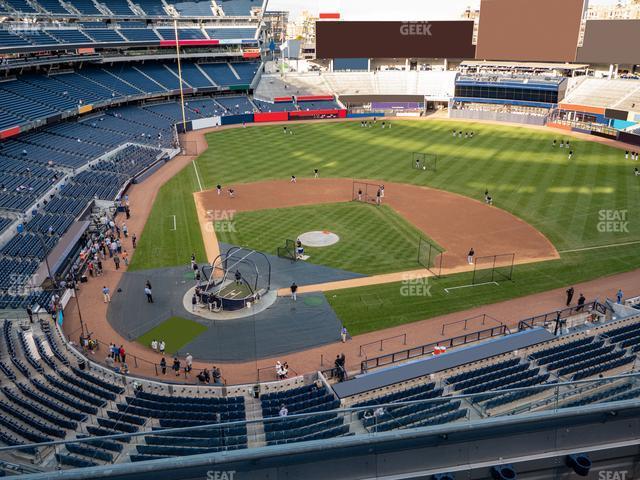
<point x="110" y="81"/>
<point x="231" y="33"/>
<point x="220" y="73"/>
<point x="275" y="107"/>
<point x="68" y="35"/>
<point x="161" y="75"/>
<point x="438" y="411"/>
<point x="104" y="35"/>
<point x="139" y="34"/>
<point x="5" y="223"/>
<point x="53" y="6"/>
<point x="246" y="70"/>
<point x="118" y="7"/>
<point x="191" y="75"/>
<point x="152" y="7"/>
<point x="139" y="80"/>
<point x="318" y="105"/>
<point x="235" y="8"/>
<point x="183" y="412"/>
<point x="10" y="39"/>
<point x="614" y="93"/>
<point x="300" y="400"/>
<point x="86" y="7"/>
<point x="235" y="105"/>
<point x="183" y="33"/>
<point x="33" y="97"/>
<point x="20" y="6"/>
<point x="194" y="9"/>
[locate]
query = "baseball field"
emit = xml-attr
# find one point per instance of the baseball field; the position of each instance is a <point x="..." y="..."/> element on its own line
<point x="581" y="205"/>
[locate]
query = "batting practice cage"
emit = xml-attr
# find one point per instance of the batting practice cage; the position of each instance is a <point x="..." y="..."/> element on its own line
<point x="430" y="256"/>
<point x="236" y="278"/>
<point x="493" y="268"/>
<point x="365" y="192"/>
<point x="424" y="161"/>
<point x="288" y="251"/>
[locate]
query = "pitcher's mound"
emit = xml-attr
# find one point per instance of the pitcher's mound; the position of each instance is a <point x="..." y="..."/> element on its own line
<point x="318" y="238"/>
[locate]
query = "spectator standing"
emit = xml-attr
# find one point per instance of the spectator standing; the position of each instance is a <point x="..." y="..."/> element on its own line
<point x="147" y="292"/>
<point x="569" y="295"/>
<point x="163" y="366"/>
<point x="176" y="366"/>
<point x="106" y="294"/>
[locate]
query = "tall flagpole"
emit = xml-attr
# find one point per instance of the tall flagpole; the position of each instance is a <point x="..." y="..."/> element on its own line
<point x="184" y="119"/>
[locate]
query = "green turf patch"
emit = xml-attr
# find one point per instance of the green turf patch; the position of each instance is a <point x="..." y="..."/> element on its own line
<point x="372" y="239"/>
<point x="313" y="301"/>
<point x="176" y="333"/>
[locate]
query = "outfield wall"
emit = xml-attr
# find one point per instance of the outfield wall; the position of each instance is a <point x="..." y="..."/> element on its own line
<point x="261" y="117"/>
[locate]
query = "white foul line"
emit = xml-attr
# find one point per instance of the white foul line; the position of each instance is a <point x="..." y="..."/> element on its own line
<point x="174" y="223"/>
<point x="611" y="245"/>
<point x="197" y="175"/>
<point x="471" y="285"/>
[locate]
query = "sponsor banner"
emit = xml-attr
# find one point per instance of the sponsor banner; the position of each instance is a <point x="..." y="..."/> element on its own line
<point x="407" y="114"/>
<point x="201" y="123"/>
<point x="271" y="117"/>
<point x="329" y="16"/>
<point x="250" y="53"/>
<point x="235" y="119"/>
<point x="317" y="114"/>
<point x="83" y="51"/>
<point x="282" y="99"/>
<point x="85" y="109"/>
<point x="9" y="132"/>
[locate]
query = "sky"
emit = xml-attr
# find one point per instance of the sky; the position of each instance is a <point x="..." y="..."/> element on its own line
<point x="387" y="9"/>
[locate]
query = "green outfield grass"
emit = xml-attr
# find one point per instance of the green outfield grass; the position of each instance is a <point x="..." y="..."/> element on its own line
<point x="176" y="333"/>
<point x="568" y="200"/>
<point x="372" y="239"/>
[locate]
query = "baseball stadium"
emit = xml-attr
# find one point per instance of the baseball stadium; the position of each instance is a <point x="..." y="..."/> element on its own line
<point x="280" y="239"/>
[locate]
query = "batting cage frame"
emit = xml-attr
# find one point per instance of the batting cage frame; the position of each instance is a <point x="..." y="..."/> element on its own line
<point x="430" y="256"/>
<point x="491" y="268"/>
<point x="369" y="192"/>
<point x="424" y="161"/>
<point x="288" y="251"/>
